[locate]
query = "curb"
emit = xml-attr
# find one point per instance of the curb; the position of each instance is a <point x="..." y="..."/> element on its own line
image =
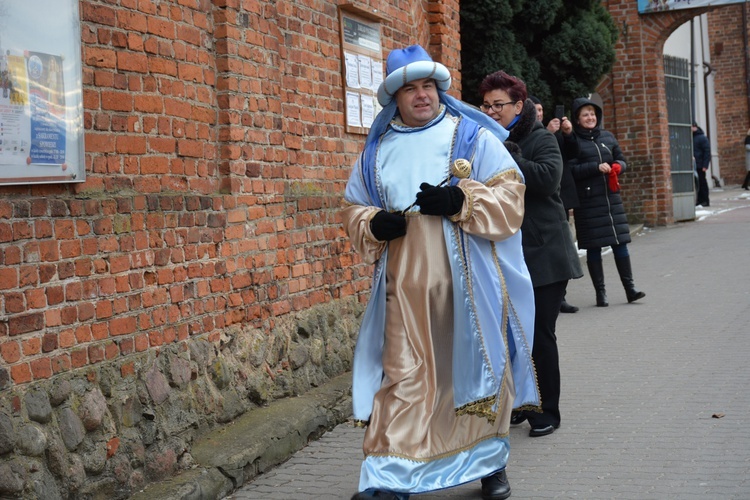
<point x="229" y="456"/>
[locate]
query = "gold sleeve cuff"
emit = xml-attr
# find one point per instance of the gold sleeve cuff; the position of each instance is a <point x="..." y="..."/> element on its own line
<point x="467" y="209"/>
<point x="368" y="228"/>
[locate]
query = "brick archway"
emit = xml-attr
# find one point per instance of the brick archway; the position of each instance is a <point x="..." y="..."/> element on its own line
<point x="635" y="108"/>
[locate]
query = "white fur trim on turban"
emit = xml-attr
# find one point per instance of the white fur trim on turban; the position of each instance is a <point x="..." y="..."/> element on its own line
<point x="410" y="72"/>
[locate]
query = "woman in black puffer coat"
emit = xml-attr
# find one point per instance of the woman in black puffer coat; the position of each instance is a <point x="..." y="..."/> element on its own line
<point x="600" y="218"/>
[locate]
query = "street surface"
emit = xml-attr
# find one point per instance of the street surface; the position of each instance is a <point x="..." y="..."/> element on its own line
<point x="655" y="394"/>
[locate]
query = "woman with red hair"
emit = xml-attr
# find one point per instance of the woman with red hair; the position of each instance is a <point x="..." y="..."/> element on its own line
<point x="546" y="238"/>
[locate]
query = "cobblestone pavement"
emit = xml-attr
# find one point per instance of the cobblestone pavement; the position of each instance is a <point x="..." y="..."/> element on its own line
<point x="655" y="396"/>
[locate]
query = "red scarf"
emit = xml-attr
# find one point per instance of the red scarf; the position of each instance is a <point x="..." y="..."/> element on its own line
<point x="614" y="185"/>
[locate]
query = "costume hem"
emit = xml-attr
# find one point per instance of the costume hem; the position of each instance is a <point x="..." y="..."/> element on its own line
<point x="408" y="475"/>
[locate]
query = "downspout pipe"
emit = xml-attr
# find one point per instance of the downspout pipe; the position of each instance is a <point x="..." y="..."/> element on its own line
<point x="707" y="70"/>
<point x="692" y="70"/>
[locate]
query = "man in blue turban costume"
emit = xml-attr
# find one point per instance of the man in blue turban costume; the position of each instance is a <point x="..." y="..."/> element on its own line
<point x="444" y="350"/>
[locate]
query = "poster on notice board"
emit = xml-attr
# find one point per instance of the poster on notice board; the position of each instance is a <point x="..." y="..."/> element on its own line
<point x="41" y="107"/>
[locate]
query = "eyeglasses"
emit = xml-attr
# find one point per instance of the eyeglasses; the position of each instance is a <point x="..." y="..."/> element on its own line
<point x="497" y="107"/>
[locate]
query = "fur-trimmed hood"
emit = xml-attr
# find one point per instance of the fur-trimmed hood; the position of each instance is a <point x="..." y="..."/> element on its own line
<point x="585" y="133"/>
<point x="525" y="124"/>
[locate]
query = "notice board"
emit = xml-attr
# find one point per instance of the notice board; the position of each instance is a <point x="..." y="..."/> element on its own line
<point x="41" y="107"/>
<point x="362" y="66"/>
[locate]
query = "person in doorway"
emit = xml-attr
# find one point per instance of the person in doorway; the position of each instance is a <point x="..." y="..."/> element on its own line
<point x="702" y="155"/>
<point x="600" y="218"/>
<point x="563" y="130"/>
<point x="547" y="241"/>
<point x="444" y="349"/>
<point x="746" y="182"/>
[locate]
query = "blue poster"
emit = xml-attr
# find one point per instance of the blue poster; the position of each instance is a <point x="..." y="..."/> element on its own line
<point x="41" y="92"/>
<point x="47" y="108"/>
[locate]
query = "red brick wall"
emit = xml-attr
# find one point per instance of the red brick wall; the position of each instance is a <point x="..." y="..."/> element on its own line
<point x="635" y="104"/>
<point x="216" y="156"/>
<point x="445" y="19"/>
<point x="728" y="59"/>
<point x="635" y="108"/>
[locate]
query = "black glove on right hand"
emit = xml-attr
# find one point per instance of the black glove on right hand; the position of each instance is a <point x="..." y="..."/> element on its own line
<point x="386" y="226"/>
<point x="435" y="200"/>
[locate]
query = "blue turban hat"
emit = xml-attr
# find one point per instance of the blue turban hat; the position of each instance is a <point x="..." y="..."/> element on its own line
<point x="409" y="64"/>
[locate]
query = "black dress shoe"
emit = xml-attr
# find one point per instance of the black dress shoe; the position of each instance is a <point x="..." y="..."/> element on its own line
<point x="496" y="486"/>
<point x="567" y="308"/>
<point x="542" y="430"/>
<point x="517" y="417"/>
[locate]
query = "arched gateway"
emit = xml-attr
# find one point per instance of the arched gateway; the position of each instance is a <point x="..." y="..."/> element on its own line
<point x="635" y="104"/>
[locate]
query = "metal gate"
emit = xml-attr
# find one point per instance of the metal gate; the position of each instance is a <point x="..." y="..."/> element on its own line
<point x="677" y="85"/>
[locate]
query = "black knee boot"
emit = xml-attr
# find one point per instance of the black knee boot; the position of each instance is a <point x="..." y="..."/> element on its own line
<point x="746" y="183"/>
<point x="596" y="271"/>
<point x="626" y="276"/>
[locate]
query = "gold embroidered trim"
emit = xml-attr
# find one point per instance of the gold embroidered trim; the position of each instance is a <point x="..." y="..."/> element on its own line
<point x="467" y="192"/>
<point x="509" y="310"/>
<point x="376" y="171"/>
<point x="537" y="409"/>
<point x="511" y="172"/>
<point x="368" y="231"/>
<point x="442" y="455"/>
<point x="531" y="359"/>
<point x="469" y="210"/>
<point x="481" y="408"/>
<point x="456" y="122"/>
<point x="464" y="256"/>
<point x="504" y="295"/>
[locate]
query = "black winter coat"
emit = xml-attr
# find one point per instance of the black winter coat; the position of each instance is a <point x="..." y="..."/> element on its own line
<point x="548" y="247"/>
<point x="600" y="218"/>
<point x="569" y="149"/>
<point x="701" y="149"/>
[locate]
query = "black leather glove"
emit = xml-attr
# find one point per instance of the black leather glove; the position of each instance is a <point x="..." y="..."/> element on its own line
<point x="446" y="200"/>
<point x="386" y="226"/>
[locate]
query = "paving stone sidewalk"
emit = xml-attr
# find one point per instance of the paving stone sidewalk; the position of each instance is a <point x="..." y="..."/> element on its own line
<point x="655" y="394"/>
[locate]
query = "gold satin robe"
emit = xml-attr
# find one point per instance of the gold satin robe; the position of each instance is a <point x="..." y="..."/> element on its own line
<point x="413" y="415"/>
